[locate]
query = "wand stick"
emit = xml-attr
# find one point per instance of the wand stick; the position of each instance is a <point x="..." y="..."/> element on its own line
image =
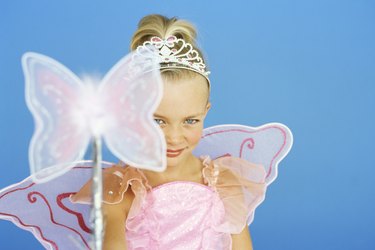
<point x="97" y="193"/>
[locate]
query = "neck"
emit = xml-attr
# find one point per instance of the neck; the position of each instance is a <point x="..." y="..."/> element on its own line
<point x="186" y="168"/>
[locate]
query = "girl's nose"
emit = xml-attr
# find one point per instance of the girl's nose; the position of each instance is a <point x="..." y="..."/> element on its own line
<point x="174" y="135"/>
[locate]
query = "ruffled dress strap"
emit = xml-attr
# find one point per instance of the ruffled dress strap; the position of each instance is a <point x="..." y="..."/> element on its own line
<point x="116" y="181"/>
<point x="241" y="187"/>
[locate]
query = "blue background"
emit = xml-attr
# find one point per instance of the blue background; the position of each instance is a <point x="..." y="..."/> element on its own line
<point x="307" y="64"/>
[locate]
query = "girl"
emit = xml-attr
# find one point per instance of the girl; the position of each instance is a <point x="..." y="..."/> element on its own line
<point x="195" y="203"/>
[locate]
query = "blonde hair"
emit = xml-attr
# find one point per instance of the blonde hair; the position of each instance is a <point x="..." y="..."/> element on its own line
<point x="163" y="27"/>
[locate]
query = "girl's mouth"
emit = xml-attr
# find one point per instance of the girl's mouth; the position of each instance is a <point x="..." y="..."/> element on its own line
<point x="174" y="153"/>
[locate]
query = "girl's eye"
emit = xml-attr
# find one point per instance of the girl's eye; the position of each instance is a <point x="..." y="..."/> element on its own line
<point x="159" y="121"/>
<point x="191" y="121"/>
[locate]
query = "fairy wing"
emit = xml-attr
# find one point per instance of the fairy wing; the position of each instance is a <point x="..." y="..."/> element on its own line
<point x="53" y="97"/>
<point x="266" y="145"/>
<point x="45" y="210"/>
<point x="131" y="92"/>
<point x="68" y="112"/>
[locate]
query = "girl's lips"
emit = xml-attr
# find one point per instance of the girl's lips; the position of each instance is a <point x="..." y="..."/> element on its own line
<point x="174" y="153"/>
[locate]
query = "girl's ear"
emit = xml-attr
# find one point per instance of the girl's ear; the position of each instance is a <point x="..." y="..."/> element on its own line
<point x="208" y="106"/>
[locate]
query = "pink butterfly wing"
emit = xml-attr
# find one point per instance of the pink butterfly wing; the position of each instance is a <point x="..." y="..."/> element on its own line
<point x="46" y="211"/>
<point x="131" y="92"/>
<point x="266" y="145"/>
<point x="53" y="97"/>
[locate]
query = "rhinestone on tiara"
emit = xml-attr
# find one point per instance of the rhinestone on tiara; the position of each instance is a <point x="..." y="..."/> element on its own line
<point x="172" y="56"/>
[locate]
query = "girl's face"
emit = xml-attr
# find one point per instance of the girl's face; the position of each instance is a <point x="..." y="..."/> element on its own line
<point x="181" y="114"/>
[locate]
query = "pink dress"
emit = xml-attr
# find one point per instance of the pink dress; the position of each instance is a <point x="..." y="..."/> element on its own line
<point x="187" y="215"/>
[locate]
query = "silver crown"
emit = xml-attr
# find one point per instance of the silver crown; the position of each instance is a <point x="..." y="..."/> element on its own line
<point x="172" y="56"/>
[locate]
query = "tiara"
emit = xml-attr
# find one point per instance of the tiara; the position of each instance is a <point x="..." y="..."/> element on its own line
<point x="171" y="56"/>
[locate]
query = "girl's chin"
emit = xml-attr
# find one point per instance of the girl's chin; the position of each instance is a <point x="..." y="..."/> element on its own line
<point x="178" y="160"/>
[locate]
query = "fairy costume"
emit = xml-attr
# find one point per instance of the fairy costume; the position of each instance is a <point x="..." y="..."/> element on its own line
<point x="183" y="214"/>
<point x="176" y="215"/>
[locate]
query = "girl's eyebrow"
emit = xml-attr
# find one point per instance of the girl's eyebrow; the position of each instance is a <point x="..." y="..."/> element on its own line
<point x="195" y="115"/>
<point x="159" y="116"/>
<point x="190" y="116"/>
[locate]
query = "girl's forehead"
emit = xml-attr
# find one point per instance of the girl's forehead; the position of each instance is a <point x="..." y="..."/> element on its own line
<point x="182" y="104"/>
<point x="188" y="93"/>
<point x="186" y="87"/>
<point x="183" y="98"/>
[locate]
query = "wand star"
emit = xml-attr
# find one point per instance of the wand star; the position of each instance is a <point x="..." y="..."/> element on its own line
<point x="69" y="112"/>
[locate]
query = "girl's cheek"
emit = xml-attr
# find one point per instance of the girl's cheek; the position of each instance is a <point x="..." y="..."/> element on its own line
<point x="195" y="136"/>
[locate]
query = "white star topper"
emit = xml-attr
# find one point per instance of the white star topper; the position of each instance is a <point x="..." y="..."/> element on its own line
<point x="69" y="112"/>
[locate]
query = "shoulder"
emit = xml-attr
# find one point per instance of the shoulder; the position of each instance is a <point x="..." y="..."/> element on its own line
<point x="241" y="187"/>
<point x="120" y="185"/>
<point x="121" y="209"/>
<point x="233" y="169"/>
